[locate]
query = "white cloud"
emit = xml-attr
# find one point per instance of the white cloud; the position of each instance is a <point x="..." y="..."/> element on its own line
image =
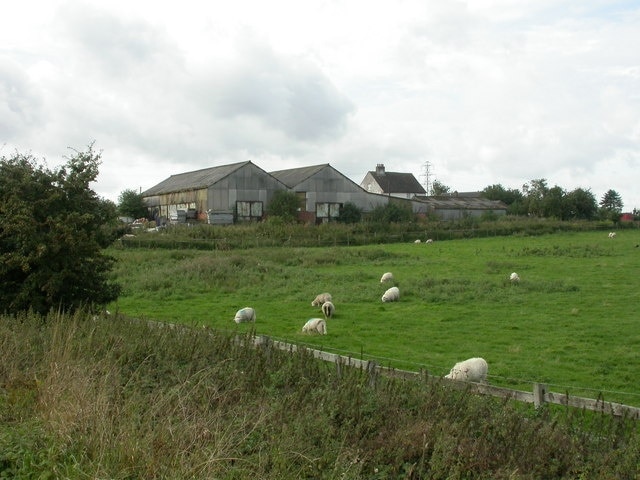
<point x="489" y="91"/>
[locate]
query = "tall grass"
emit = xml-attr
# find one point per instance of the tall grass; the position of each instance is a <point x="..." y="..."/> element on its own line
<point x="85" y="397"/>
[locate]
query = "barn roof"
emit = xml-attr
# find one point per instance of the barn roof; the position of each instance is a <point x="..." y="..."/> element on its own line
<point x="295" y="176"/>
<point x="461" y="202"/>
<point x="194" y="180"/>
<point x="397" y="182"/>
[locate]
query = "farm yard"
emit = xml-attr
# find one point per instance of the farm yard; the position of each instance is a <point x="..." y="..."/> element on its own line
<point x="570" y="322"/>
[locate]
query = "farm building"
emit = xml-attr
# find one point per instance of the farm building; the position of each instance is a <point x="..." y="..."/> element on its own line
<point x="460" y="205"/>
<point x="395" y="184"/>
<point x="242" y="191"/>
<point x="323" y="190"/>
<point x="219" y="195"/>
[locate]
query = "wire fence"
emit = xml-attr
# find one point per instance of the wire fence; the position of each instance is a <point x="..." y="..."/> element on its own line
<point x="539" y="394"/>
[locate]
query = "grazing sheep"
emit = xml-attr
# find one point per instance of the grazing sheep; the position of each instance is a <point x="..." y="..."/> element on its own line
<point x="418" y="241"/>
<point x="429" y="240"/>
<point x="386" y="277"/>
<point x="391" y="295"/>
<point x="315" y="325"/>
<point x="612" y="234"/>
<point x="328" y="309"/>
<point x="514" y="277"/>
<point x="246" y="314"/>
<point x="320" y="299"/>
<point x="471" y="370"/>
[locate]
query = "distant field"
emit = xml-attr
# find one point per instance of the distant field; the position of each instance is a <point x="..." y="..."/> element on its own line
<point x="572" y="322"/>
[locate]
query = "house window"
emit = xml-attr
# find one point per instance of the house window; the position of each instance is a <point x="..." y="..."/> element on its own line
<point x="248" y="211"/>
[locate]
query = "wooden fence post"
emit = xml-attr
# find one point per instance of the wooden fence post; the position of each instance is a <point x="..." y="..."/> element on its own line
<point x="539" y="389"/>
<point x="372" y="371"/>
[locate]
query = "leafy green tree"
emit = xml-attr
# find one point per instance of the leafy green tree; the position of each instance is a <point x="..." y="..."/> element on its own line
<point x="53" y="229"/>
<point x="553" y="203"/>
<point x="284" y="204"/>
<point x="534" y="193"/>
<point x="131" y="204"/>
<point x="498" y="192"/>
<point x="580" y="204"/>
<point x="611" y="205"/>
<point x="350" y="213"/>
<point x="438" y="188"/>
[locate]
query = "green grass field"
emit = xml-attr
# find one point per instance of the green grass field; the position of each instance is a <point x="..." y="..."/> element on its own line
<point x="571" y="322"/>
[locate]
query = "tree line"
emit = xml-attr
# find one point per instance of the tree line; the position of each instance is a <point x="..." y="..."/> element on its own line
<point x="539" y="200"/>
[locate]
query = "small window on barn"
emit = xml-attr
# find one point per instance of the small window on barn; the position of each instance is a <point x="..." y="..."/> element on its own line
<point x="326" y="212"/>
<point x="248" y="211"/>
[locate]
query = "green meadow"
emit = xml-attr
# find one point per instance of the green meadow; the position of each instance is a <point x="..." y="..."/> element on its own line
<point x="571" y="322"/>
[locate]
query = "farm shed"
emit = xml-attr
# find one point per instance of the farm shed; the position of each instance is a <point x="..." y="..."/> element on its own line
<point x="222" y="194"/>
<point x="323" y="190"/>
<point x="395" y="184"/>
<point x="461" y="205"/>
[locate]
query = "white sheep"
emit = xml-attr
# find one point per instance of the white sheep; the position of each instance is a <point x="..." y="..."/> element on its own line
<point x="391" y="295"/>
<point x="246" y="314"/>
<point x="328" y="308"/>
<point x="429" y="240"/>
<point x="386" y="277"/>
<point x="612" y="234"/>
<point x="315" y="325"/>
<point x="514" y="277"/>
<point x="470" y="370"/>
<point x="418" y="241"/>
<point x="320" y="299"/>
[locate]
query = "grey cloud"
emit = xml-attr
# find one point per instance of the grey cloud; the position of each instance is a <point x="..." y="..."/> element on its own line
<point x="20" y="102"/>
<point x="286" y="95"/>
<point x="117" y="45"/>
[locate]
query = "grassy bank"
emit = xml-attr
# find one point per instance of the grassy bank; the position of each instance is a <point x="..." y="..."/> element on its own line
<point x="111" y="398"/>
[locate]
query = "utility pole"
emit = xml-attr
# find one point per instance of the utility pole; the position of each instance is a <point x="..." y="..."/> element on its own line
<point x="426" y="175"/>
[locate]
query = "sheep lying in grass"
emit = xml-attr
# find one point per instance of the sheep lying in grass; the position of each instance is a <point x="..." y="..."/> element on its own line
<point x="320" y="299"/>
<point x="471" y="370"/>
<point x="315" y="325"/>
<point x="391" y="295"/>
<point x="612" y="234"/>
<point x="514" y="277"/>
<point x="328" y="309"/>
<point x="246" y="314"/>
<point x="386" y="277"/>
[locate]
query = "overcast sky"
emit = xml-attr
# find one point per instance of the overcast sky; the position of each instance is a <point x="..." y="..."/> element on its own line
<point x="483" y="91"/>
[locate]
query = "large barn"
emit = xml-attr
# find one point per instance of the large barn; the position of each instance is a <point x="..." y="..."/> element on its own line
<point x="323" y="190"/>
<point x="221" y="195"/>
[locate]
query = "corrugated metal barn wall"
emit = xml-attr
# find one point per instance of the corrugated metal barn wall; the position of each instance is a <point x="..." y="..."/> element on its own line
<point x="247" y="184"/>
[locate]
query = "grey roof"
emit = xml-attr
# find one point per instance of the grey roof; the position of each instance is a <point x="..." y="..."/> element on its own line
<point x="396" y="182"/>
<point x="462" y="202"/>
<point x="193" y="180"/>
<point x="295" y="176"/>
